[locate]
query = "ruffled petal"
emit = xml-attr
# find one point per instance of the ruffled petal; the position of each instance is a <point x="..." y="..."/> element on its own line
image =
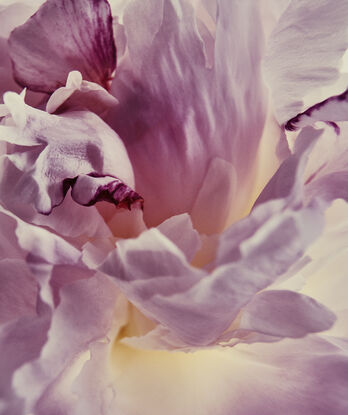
<point x="304" y="53"/>
<point x="198" y="306"/>
<point x="60" y="37"/>
<point x="57" y="150"/>
<point x="170" y="113"/>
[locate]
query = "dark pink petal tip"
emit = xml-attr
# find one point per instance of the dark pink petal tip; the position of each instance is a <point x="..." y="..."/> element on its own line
<point x="89" y="189"/>
<point x="62" y="36"/>
<point x="328" y="111"/>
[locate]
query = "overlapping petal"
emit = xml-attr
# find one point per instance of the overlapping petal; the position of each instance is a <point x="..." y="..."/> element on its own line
<point x="60" y="37"/>
<point x="41" y="379"/>
<point x="175" y="112"/>
<point x="307" y="376"/>
<point x="304" y="53"/>
<point x="198" y="306"/>
<point x="191" y="121"/>
<point x="54" y="151"/>
<point x="80" y="94"/>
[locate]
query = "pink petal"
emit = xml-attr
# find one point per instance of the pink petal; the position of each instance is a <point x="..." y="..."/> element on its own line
<point x="20" y="342"/>
<point x="68" y="219"/>
<point x="80" y="94"/>
<point x="90" y="188"/>
<point x="176" y="115"/>
<point x="60" y="37"/>
<point x="18" y="290"/>
<point x="288" y="181"/>
<point x="83" y="316"/>
<point x="304" y="53"/>
<point x="11" y="15"/>
<point x="285" y="314"/>
<point x="196" y="306"/>
<point x="328" y="174"/>
<point x="179" y="230"/>
<point x="58" y="150"/>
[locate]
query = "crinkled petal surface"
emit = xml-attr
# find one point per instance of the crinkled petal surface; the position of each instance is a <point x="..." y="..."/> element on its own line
<point x="56" y="150"/>
<point x="304" y="52"/>
<point x="198" y="306"/>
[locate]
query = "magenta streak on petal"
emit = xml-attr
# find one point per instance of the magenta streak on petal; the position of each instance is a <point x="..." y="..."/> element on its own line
<point x="62" y="36"/>
<point x="291" y="124"/>
<point x="115" y="192"/>
<point x="315" y="174"/>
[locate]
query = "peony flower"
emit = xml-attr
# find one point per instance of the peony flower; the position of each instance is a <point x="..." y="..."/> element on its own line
<point x="173" y="207"/>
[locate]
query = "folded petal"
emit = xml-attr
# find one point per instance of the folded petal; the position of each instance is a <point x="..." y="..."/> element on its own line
<point x="90" y="188"/>
<point x="60" y="37"/>
<point x="304" y="53"/>
<point x="57" y="150"/>
<point x="84" y="315"/>
<point x="330" y="110"/>
<point x="80" y="94"/>
<point x="195" y="305"/>
<point x="170" y="113"/>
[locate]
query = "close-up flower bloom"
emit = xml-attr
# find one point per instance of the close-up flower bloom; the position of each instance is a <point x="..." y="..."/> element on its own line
<point x="173" y="207"/>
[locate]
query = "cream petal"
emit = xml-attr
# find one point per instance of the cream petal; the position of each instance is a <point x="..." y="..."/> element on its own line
<point x="307" y="376"/>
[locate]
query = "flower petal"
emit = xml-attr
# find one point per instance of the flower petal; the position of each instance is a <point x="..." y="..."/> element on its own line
<point x="90" y="188"/>
<point x="285" y="313"/>
<point x="20" y="342"/>
<point x="80" y="94"/>
<point x="175" y="101"/>
<point x="84" y="315"/>
<point x="18" y="290"/>
<point x="60" y="37"/>
<point x="307" y="376"/>
<point x="61" y="148"/>
<point x="330" y="110"/>
<point x="198" y="306"/>
<point x="179" y="230"/>
<point x="304" y="53"/>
